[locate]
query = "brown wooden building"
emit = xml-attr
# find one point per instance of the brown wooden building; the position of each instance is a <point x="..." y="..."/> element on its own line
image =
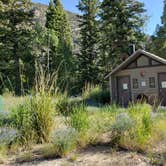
<point x="141" y="74"/>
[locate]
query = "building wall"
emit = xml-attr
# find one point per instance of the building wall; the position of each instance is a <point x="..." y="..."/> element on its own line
<point x="152" y="93"/>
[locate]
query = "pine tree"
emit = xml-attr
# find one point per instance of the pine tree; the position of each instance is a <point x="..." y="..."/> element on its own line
<point x="121" y="25"/>
<point x="15" y="37"/>
<point x="61" y="54"/>
<point x="158" y="41"/>
<point x="88" y="57"/>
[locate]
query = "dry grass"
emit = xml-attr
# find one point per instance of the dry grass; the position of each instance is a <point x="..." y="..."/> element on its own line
<point x="25" y="157"/>
<point x="3" y="153"/>
<point x="9" y="101"/>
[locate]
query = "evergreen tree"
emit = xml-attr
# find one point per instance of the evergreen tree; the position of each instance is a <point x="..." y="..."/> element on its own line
<point x="61" y="53"/>
<point x="15" y="38"/>
<point x="158" y="41"/>
<point x="121" y="25"/>
<point x="88" y="57"/>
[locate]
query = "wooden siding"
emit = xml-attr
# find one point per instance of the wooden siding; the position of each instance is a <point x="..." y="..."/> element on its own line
<point x="136" y="73"/>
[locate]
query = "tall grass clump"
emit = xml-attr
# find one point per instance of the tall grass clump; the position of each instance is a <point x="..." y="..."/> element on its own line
<point x="34" y="119"/>
<point x="79" y="118"/>
<point x="141" y="114"/>
<point x="159" y="130"/>
<point x="3" y="153"/>
<point x="137" y="136"/>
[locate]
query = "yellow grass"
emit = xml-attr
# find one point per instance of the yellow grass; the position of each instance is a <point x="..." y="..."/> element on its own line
<point x="9" y="102"/>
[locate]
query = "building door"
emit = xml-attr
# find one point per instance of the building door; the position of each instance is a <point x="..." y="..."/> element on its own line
<point x="124" y="90"/>
<point x="162" y="88"/>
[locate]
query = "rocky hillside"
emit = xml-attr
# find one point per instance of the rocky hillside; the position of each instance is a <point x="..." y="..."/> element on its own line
<point x="40" y="16"/>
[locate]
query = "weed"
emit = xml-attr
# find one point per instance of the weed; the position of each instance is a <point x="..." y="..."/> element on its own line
<point x="79" y="118"/>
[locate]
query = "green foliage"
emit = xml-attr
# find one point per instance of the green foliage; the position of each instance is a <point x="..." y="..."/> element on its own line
<point x="158" y="131"/>
<point x="142" y="115"/>
<point x="16" y="32"/>
<point x="65" y="105"/>
<point x="60" y="54"/>
<point x="5" y="119"/>
<point x="133" y="129"/>
<point x="79" y="118"/>
<point x="121" y="25"/>
<point x="158" y="41"/>
<point x="96" y="94"/>
<point x="22" y="121"/>
<point x="64" y="141"/>
<point x="88" y="57"/>
<point x="35" y="118"/>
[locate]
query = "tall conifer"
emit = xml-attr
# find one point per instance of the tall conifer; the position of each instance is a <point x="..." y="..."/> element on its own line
<point x="88" y="58"/>
<point x="158" y="44"/>
<point x="16" y="19"/>
<point x="122" y="24"/>
<point x="61" y="54"/>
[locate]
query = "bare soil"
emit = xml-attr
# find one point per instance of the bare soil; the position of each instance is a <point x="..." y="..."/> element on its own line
<point x="100" y="155"/>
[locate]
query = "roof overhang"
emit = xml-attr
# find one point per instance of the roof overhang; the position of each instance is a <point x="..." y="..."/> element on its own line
<point x="133" y="57"/>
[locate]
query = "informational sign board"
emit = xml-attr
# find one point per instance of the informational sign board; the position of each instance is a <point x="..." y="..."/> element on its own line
<point x="163" y="84"/>
<point x="143" y="83"/>
<point x="125" y="86"/>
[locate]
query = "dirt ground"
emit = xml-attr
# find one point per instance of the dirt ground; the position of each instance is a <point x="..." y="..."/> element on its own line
<point x="94" y="156"/>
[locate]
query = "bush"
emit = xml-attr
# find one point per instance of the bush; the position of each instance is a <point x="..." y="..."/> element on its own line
<point x="132" y="128"/>
<point x="158" y="131"/>
<point x="79" y="118"/>
<point x="35" y="118"/>
<point x="138" y="136"/>
<point x="141" y="113"/>
<point x="64" y="141"/>
<point x="22" y="121"/>
<point x="64" y="104"/>
<point x="122" y="124"/>
<point x="5" y="119"/>
<point x="96" y="94"/>
<point x="7" y="135"/>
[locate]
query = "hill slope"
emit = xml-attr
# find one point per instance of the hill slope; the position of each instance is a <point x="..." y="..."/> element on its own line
<point x="40" y="17"/>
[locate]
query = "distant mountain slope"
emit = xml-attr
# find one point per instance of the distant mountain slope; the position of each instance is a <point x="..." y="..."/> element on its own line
<point x="40" y="16"/>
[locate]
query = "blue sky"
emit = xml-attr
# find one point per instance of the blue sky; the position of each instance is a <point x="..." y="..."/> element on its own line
<point x="154" y="11"/>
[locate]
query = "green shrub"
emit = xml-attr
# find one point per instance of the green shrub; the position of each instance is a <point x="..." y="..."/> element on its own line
<point x="22" y="121"/>
<point x="131" y="128"/>
<point x="79" y="118"/>
<point x="64" y="104"/>
<point x="5" y="119"/>
<point x="64" y="141"/>
<point x="158" y="131"/>
<point x="96" y="94"/>
<point x="141" y="113"/>
<point x="35" y="118"/>
<point x="139" y="134"/>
